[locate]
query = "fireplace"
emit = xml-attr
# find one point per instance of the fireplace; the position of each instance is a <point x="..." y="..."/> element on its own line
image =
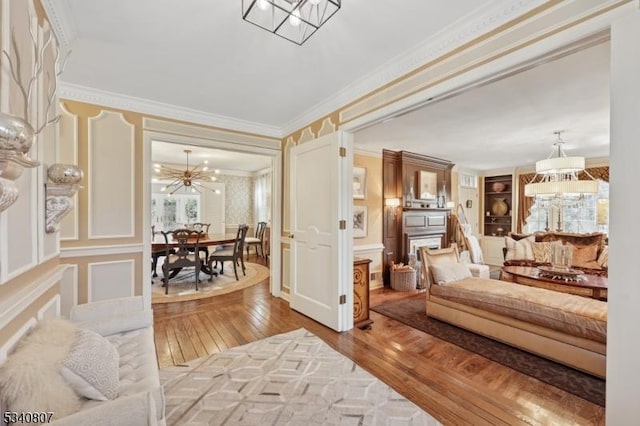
<point x="414" y="242"/>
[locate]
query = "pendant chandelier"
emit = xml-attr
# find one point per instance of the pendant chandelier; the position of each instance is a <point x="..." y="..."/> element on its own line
<point x="190" y="178"/>
<point x="557" y="177"/>
<point x="294" y="20"/>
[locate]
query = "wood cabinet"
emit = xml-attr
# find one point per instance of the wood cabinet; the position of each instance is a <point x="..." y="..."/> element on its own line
<point x="498" y="205"/>
<point x="361" y="293"/>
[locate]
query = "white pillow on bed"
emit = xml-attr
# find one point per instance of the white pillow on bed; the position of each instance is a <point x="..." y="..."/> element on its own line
<point x="448" y="272"/>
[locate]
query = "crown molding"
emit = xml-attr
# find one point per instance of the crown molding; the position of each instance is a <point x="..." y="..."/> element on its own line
<point x="58" y="12"/>
<point x="471" y="26"/>
<point x="115" y="100"/>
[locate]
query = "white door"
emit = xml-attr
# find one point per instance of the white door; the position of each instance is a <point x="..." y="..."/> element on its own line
<point x="213" y="207"/>
<point x="321" y="252"/>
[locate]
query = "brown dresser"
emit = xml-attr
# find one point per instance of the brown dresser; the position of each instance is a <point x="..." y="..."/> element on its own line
<point x="361" y="292"/>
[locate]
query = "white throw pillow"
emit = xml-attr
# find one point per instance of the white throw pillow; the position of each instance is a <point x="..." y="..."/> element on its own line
<point x="448" y="272"/>
<point x="30" y="379"/>
<point x="91" y="367"/>
<point x="520" y="249"/>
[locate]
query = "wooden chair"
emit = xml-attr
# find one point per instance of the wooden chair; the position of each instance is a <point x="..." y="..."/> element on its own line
<point x="231" y="255"/>
<point x="257" y="241"/>
<point x="155" y="255"/>
<point x="186" y="255"/>
<point x="204" y="228"/>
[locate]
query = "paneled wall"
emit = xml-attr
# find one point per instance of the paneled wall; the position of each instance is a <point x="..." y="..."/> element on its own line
<point x="30" y="269"/>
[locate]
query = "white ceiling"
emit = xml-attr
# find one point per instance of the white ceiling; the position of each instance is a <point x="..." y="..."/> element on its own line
<point x="511" y="122"/>
<point x="202" y="57"/>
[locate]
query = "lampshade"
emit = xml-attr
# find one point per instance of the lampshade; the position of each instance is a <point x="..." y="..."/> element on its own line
<point x="568" y="188"/>
<point x="294" y="20"/>
<point x="560" y="165"/>
<point x="392" y="202"/>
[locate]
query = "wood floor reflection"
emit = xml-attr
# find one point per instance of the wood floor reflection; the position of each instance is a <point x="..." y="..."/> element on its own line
<point x="454" y="385"/>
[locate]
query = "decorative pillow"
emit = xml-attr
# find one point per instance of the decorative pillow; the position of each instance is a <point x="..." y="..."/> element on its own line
<point x="474" y="249"/>
<point x="603" y="258"/>
<point x="91" y="367"/>
<point x="30" y="379"/>
<point x="542" y="251"/>
<point x="445" y="273"/>
<point x="584" y="256"/>
<point x="520" y="249"/>
<point x="437" y="256"/>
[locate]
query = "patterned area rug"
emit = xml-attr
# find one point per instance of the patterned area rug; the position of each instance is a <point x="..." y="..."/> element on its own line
<point x="289" y="379"/>
<point x="411" y="311"/>
<point x="183" y="286"/>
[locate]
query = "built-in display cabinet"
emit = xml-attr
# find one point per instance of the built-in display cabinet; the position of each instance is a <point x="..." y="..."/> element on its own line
<point x="498" y="205"/>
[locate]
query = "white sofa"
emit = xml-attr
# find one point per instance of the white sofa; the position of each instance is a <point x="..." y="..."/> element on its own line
<point x="129" y="327"/>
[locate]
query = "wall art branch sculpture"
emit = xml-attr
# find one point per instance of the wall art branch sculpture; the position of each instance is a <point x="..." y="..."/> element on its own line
<point x="17" y="134"/>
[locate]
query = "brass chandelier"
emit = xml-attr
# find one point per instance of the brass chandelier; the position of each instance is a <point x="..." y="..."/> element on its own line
<point x="194" y="178"/>
<point x="294" y="20"/>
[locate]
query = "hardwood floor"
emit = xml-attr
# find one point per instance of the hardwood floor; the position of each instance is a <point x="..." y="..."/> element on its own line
<point x="454" y="385"/>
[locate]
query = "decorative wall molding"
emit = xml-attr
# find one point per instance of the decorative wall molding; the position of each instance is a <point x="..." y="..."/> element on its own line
<point x="51" y="309"/>
<point x="365" y="153"/>
<point x="474" y="25"/>
<point x="376" y="247"/>
<point x="144" y="106"/>
<point x="59" y="193"/>
<point x="108" y="132"/>
<point x="109" y="250"/>
<point x="306" y="136"/>
<point x="105" y="275"/>
<point x="58" y="14"/>
<point x="15" y="338"/>
<point x="15" y="303"/>
<point x="327" y="127"/>
<point x="68" y="290"/>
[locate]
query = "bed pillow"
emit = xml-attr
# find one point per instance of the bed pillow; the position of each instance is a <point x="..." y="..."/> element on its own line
<point x="91" y="366"/>
<point x="30" y="379"/>
<point x="448" y="272"/>
<point x="519" y="249"/>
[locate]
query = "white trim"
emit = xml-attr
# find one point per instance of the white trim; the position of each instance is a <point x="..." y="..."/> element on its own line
<point x="85" y="251"/>
<point x="13" y="340"/>
<point x="55" y="300"/>
<point x="58" y="14"/>
<point x="376" y="247"/>
<point x="365" y="153"/>
<point x="73" y="283"/>
<point x="13" y="305"/>
<point x="132" y="168"/>
<point x="275" y="282"/>
<point x="91" y="265"/>
<point x="145" y="106"/>
<point x="473" y="25"/>
<point x="76" y="225"/>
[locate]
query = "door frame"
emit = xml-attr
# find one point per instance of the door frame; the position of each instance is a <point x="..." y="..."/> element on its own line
<point x="259" y="147"/>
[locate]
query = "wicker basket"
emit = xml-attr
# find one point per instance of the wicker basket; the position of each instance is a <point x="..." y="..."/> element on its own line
<point x="403" y="279"/>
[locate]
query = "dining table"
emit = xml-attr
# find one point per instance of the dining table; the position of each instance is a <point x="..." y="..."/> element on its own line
<point x="159" y="248"/>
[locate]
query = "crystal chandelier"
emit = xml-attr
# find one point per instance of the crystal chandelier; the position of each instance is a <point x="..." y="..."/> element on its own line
<point x="189" y="178"/>
<point x="294" y="20"/>
<point x="557" y="177"/>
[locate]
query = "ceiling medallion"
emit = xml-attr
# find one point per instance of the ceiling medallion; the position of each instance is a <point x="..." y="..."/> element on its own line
<point x="294" y="20"/>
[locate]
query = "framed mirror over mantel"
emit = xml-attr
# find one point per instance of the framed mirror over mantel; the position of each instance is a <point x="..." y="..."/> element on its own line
<point x="421" y="186"/>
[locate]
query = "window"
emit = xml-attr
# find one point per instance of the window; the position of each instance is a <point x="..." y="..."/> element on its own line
<point x="170" y="212"/>
<point x="591" y="214"/>
<point x="468" y="181"/>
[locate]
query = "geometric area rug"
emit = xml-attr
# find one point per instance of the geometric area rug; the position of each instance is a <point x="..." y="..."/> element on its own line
<point x="411" y="311"/>
<point x="183" y="286"/>
<point x="287" y="379"/>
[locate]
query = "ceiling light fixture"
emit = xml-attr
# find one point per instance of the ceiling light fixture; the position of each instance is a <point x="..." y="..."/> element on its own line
<point x="294" y="20"/>
<point x="193" y="178"/>
<point x="558" y="176"/>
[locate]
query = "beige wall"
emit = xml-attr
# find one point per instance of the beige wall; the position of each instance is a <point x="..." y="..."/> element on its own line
<point x="372" y="200"/>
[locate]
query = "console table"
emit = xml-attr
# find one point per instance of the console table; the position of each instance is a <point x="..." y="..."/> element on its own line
<point x="591" y="286"/>
<point x="361" y="293"/>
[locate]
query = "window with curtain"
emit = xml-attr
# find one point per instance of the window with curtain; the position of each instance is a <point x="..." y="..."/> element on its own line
<point x="262" y="197"/>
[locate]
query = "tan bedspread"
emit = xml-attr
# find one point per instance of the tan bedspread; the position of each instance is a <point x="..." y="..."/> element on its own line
<point x="575" y="315"/>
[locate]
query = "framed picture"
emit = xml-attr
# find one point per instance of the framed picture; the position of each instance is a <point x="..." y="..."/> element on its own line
<point x="359" y="221"/>
<point x="359" y="183"/>
<point x="427" y="185"/>
<point x="469" y="204"/>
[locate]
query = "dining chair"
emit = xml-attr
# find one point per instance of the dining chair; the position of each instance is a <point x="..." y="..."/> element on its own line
<point x="155" y="255"/>
<point x="256" y="241"/>
<point x="233" y="255"/>
<point x="204" y="228"/>
<point x="186" y="255"/>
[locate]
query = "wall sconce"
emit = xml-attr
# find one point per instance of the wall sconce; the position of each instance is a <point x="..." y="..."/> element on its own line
<point x="59" y="193"/>
<point x="392" y="204"/>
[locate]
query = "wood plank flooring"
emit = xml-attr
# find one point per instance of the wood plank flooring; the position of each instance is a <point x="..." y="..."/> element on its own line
<point x="455" y="386"/>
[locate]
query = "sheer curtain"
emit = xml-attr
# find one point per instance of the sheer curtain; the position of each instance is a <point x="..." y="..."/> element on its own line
<point x="262" y="197"/>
